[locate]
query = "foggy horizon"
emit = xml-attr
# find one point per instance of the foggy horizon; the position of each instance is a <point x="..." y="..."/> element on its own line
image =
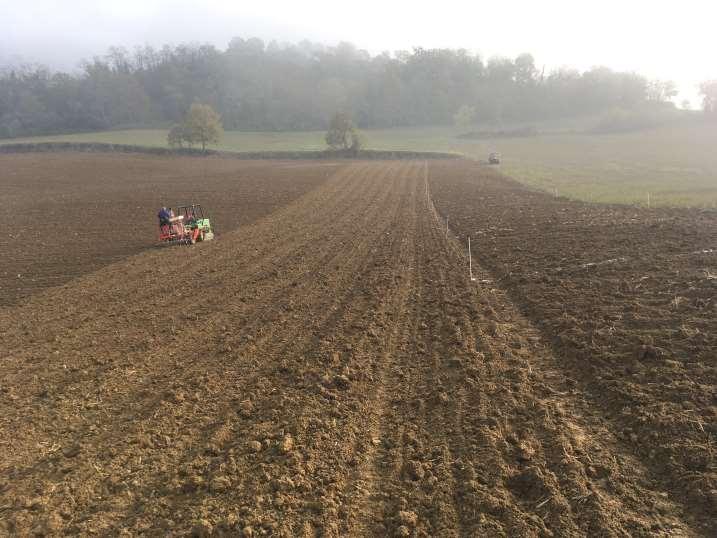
<point x="656" y="43"/>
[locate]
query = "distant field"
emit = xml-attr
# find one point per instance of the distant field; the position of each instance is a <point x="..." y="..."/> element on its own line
<point x="676" y="165"/>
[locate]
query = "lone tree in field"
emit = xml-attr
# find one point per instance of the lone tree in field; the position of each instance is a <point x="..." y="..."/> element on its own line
<point x="342" y="135"/>
<point x="202" y="125"/>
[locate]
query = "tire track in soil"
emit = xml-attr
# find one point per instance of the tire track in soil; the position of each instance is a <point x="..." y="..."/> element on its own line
<point x="284" y="378"/>
<point x="362" y="243"/>
<point x="510" y="439"/>
<point x="405" y="485"/>
<point x="595" y="318"/>
<point x="52" y="189"/>
<point x="551" y="448"/>
<point x="142" y="390"/>
<point x="212" y="296"/>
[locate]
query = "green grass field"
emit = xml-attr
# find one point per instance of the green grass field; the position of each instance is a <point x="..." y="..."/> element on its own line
<point x="676" y="165"/>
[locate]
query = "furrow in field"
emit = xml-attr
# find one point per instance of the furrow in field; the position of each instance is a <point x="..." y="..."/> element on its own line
<point x="532" y="454"/>
<point x="329" y="371"/>
<point x="242" y="363"/>
<point x="408" y="484"/>
<point x="131" y="345"/>
<point x="622" y="297"/>
<point x="74" y="213"/>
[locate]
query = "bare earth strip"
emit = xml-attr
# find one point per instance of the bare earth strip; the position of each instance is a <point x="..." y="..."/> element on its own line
<point x="73" y="213"/>
<point x="325" y="371"/>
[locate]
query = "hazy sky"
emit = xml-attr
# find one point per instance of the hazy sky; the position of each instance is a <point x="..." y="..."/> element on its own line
<point x="660" y="39"/>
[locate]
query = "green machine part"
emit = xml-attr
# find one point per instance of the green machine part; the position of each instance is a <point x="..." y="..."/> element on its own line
<point x="204" y="224"/>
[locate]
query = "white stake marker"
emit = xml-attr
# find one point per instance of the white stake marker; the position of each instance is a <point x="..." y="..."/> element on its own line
<point x="425" y="175"/>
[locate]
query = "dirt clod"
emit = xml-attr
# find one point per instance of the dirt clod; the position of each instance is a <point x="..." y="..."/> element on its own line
<point x="203" y="529"/>
<point x="341" y="382"/>
<point x="220" y="483"/>
<point x="246" y="408"/>
<point x="408" y="518"/>
<point x="287" y="444"/>
<point x="414" y="470"/>
<point x="403" y="531"/>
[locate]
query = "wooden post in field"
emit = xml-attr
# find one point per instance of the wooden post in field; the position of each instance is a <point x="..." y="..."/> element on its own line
<point x="425" y="175"/>
<point x="470" y="262"/>
<point x="446" y="226"/>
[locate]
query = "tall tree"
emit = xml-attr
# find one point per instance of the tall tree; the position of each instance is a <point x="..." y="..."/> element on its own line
<point x="342" y="134"/>
<point x="661" y="91"/>
<point x="202" y="125"/>
<point x="259" y="86"/>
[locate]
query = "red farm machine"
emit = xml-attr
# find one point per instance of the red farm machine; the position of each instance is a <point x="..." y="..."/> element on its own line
<point x="185" y="226"/>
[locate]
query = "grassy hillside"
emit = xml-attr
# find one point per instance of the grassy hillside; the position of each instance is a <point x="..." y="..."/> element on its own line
<point x="677" y="165"/>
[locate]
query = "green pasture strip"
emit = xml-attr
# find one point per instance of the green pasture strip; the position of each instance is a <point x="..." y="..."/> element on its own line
<point x="676" y="165"/>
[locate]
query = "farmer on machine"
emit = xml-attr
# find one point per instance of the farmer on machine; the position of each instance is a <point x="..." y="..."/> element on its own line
<point x="164" y="216"/>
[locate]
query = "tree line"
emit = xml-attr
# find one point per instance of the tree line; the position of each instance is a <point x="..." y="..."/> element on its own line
<point x="258" y="86"/>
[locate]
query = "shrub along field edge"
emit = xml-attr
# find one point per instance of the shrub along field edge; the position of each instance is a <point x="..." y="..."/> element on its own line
<point x="324" y="154"/>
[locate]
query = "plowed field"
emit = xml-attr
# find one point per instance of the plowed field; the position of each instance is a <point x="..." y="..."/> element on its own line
<point x="328" y="369"/>
<point x="72" y="213"/>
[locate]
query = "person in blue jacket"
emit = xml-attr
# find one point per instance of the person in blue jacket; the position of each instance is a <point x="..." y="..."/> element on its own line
<point x="164" y="216"/>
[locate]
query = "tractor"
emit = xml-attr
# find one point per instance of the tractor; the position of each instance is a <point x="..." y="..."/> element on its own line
<point x="185" y="226"/>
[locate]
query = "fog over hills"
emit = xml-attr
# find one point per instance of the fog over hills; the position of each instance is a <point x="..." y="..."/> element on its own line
<point x="656" y="40"/>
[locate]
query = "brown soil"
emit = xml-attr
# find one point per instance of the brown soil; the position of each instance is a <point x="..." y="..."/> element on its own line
<point x="72" y="213"/>
<point x="328" y="370"/>
<point x="626" y="297"/>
